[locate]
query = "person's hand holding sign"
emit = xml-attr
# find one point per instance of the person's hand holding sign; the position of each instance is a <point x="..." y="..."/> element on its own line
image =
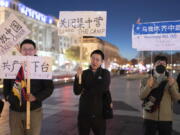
<point x="150" y="82"/>
<point x="31" y="98"/>
<point x="79" y="74"/>
<point x="17" y="47"/>
<point x="171" y="81"/>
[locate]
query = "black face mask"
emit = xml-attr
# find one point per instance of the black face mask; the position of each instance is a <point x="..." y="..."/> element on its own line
<point x="160" y="69"/>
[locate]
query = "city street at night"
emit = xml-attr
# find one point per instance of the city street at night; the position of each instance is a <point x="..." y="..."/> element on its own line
<point x="60" y="111"/>
<point x="46" y="46"/>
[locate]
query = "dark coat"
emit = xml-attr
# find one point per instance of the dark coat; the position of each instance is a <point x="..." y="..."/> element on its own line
<point x="178" y="81"/>
<point x="41" y="89"/>
<point x="94" y="86"/>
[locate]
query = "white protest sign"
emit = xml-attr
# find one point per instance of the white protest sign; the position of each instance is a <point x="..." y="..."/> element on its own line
<point x="12" y="32"/>
<point x="84" y="23"/>
<point x="156" y="36"/>
<point x="40" y="67"/>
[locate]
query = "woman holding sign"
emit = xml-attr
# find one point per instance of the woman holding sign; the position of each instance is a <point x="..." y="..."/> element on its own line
<point x="95" y="100"/>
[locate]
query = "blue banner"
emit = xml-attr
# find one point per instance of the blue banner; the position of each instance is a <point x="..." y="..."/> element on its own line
<point x="157" y="28"/>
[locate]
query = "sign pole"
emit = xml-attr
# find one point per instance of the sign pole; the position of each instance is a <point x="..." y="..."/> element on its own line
<point x="28" y="114"/>
<point x="81" y="47"/>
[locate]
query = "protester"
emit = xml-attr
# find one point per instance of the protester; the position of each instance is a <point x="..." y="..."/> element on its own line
<point x="158" y="91"/>
<point x="40" y="90"/>
<point x="94" y="96"/>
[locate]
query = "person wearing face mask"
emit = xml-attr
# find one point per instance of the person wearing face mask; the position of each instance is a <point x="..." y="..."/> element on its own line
<point x="158" y="91"/>
<point x="95" y="85"/>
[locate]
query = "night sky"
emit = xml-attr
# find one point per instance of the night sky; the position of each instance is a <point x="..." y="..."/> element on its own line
<point x="121" y="14"/>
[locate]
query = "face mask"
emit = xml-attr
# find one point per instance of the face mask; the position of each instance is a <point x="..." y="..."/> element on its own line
<point x="160" y="69"/>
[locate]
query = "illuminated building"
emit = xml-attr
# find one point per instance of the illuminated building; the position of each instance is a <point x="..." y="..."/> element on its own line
<point x="111" y="51"/>
<point x="43" y="28"/>
<point x="44" y="33"/>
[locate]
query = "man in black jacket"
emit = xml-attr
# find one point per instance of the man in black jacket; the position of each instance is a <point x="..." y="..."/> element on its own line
<point x="95" y="84"/>
<point x="40" y="90"/>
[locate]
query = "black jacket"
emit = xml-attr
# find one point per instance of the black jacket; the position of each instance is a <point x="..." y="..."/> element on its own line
<point x="41" y="89"/>
<point x="178" y="81"/>
<point x="94" y="86"/>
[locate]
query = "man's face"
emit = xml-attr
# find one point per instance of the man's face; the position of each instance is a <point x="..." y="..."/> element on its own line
<point x="96" y="61"/>
<point x="28" y="50"/>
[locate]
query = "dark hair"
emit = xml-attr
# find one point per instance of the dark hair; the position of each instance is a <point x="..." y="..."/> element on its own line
<point x="98" y="52"/>
<point x="28" y="41"/>
<point x="159" y="57"/>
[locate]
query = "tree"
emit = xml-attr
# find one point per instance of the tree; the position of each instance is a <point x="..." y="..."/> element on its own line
<point x="134" y="62"/>
<point x="73" y="53"/>
<point x="122" y="61"/>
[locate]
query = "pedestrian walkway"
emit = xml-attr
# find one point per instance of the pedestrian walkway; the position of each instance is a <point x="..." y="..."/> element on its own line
<point x="60" y="111"/>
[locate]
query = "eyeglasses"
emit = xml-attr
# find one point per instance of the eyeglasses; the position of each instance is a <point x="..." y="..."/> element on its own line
<point x="28" y="49"/>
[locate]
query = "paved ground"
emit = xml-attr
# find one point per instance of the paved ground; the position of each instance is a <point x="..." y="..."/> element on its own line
<point x="60" y="111"/>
